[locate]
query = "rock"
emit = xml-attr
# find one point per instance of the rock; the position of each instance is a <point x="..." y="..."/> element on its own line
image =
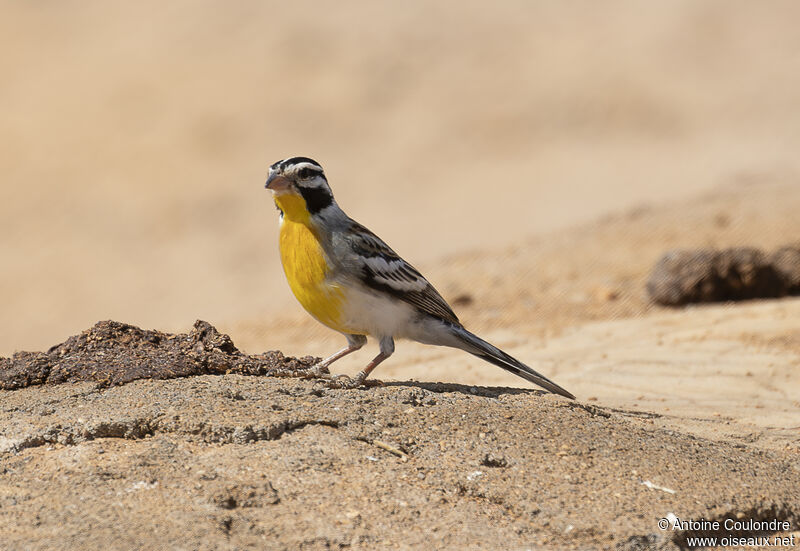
<point x="706" y="275"/>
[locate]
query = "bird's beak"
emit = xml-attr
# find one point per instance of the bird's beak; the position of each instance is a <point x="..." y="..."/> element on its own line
<point x="276" y="182"/>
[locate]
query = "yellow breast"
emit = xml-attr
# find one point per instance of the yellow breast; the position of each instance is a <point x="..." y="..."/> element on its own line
<point x="305" y="265"/>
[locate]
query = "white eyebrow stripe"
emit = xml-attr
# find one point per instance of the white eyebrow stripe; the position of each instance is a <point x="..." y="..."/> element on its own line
<point x="300" y="166"/>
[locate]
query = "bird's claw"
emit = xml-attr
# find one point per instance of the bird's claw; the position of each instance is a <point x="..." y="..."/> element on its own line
<point x="314" y="372"/>
<point x="318" y="371"/>
<point x="320" y="374"/>
<point x="345" y="382"/>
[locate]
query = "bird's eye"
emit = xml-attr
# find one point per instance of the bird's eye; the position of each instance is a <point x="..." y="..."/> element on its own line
<point x="305" y="173"/>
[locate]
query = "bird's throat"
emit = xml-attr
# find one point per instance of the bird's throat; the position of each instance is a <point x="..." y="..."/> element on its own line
<point x="293" y="207"/>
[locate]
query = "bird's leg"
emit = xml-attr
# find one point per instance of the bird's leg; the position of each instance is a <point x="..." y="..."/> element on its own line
<point x="320" y="370"/>
<point x="343" y="381"/>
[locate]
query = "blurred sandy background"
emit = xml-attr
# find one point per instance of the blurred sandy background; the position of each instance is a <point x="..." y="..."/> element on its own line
<point x="135" y="138"/>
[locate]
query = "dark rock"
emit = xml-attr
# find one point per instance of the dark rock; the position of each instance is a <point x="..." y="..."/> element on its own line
<point x="706" y="275"/>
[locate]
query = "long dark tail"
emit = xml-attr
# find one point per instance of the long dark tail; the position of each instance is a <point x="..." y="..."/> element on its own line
<point x="482" y="349"/>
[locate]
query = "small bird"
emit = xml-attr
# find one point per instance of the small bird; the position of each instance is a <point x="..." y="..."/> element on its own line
<point x="348" y="279"/>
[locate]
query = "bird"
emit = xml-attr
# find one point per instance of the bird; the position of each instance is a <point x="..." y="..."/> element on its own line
<point x="350" y="280"/>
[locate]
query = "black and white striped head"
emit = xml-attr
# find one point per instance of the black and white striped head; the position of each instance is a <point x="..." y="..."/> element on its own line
<point x="303" y="177"/>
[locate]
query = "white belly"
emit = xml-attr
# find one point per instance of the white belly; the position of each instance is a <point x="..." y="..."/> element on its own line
<point x="375" y="315"/>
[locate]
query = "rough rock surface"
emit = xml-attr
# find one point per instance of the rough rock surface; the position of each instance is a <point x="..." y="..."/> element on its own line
<point x="235" y="462"/>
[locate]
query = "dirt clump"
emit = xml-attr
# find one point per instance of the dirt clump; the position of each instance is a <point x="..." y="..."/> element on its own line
<point x="114" y="353"/>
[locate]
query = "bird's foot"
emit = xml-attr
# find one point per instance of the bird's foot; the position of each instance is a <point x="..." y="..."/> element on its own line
<point x="345" y="382"/>
<point x="320" y="373"/>
<point x="317" y="371"/>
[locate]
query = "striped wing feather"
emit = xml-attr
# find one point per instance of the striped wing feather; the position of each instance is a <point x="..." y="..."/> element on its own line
<point x="384" y="270"/>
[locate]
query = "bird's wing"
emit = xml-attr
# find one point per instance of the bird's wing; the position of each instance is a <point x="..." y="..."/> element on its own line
<point x="382" y="269"/>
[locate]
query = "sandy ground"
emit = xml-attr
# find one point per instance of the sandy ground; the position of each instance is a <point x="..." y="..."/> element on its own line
<point x="533" y="161"/>
<point x="232" y="462"/>
<point x="228" y="461"/>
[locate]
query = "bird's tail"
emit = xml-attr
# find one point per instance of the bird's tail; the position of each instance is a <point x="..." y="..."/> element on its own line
<point x="482" y="349"/>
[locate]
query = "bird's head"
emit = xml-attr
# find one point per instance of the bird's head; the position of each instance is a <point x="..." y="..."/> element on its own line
<point x="299" y="187"/>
